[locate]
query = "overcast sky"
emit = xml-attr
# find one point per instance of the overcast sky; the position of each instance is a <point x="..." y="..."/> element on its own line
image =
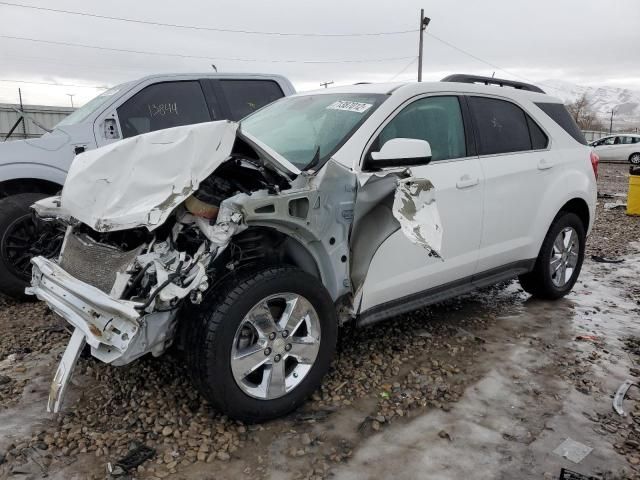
<point x="586" y="42"/>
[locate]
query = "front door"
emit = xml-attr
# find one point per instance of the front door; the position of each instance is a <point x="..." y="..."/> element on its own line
<point x="399" y="267"/>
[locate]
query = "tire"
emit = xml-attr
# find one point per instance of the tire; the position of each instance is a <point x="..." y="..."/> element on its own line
<point x="15" y="266"/>
<point x="635" y="158"/>
<point x="219" y="328"/>
<point x="543" y="282"/>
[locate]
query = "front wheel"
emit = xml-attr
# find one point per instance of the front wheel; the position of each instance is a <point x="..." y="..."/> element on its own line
<point x="560" y="259"/>
<point x="262" y="344"/>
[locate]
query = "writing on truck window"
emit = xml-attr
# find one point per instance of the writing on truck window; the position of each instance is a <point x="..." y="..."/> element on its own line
<point x="163" y="109"/>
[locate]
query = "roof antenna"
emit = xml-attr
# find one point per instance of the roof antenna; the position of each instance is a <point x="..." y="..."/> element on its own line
<point x="214" y="67"/>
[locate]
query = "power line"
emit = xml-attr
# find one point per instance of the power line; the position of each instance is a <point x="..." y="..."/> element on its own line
<point x="449" y="44"/>
<point x="200" y="57"/>
<point x="414" y="60"/>
<point x="211" y="29"/>
<point x="6" y="80"/>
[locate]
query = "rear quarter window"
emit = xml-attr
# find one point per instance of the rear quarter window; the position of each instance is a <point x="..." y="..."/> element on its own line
<point x="559" y="114"/>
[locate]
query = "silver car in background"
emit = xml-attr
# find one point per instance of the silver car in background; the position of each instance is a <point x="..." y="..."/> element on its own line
<point x="619" y="147"/>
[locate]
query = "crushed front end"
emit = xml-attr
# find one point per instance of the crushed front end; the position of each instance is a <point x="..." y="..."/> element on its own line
<point x="122" y="274"/>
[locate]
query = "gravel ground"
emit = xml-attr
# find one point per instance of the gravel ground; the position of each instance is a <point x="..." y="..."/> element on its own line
<point x="385" y="375"/>
<point x="613" y="229"/>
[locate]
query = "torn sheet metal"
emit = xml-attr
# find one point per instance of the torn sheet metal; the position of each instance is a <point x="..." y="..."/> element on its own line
<point x="619" y="397"/>
<point x="140" y="180"/>
<point x="415" y="208"/>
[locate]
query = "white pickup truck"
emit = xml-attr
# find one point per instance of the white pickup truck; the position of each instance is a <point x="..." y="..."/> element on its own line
<point x="36" y="168"/>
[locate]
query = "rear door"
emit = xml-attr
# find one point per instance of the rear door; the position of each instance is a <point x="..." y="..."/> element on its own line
<point x="237" y="98"/>
<point x="399" y="267"/>
<point x="516" y="163"/>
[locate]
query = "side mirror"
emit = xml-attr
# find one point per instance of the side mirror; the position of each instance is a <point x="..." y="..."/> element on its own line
<point x="401" y="152"/>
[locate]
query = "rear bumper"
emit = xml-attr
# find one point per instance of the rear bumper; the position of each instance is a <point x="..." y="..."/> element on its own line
<point x="109" y="325"/>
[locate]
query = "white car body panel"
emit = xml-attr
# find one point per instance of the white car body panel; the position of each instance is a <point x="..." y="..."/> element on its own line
<point x="400" y="267"/>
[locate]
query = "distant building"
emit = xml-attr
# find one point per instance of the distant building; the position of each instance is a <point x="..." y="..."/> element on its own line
<point x="44" y="115"/>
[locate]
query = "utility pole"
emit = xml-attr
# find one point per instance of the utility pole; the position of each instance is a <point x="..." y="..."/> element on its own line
<point x="24" y="124"/>
<point x="424" y="21"/>
<point x="326" y="84"/>
<point x="611" y="121"/>
<point x="71" y="95"/>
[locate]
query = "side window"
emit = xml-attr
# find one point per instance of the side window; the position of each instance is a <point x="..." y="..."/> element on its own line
<point x="502" y="126"/>
<point x="246" y="96"/>
<point x="539" y="139"/>
<point x="636" y="140"/>
<point x="628" y="140"/>
<point x="438" y="120"/>
<point x="608" y="141"/>
<point x="163" y="105"/>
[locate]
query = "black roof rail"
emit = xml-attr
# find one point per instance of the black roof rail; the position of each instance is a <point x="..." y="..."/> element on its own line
<point x="463" y="78"/>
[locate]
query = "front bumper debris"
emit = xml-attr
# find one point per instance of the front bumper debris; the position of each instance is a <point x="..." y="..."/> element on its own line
<point x="116" y="332"/>
<point x="64" y="371"/>
<point x="109" y="325"/>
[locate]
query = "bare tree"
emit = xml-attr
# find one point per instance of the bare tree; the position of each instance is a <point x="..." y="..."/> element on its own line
<point x="582" y="112"/>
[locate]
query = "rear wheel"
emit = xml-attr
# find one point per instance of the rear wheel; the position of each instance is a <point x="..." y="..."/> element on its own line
<point x="560" y="259"/>
<point x="262" y="344"/>
<point x="22" y="237"/>
<point x="635" y="158"/>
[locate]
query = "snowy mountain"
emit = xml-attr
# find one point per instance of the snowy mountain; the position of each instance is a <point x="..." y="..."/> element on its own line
<point x="625" y="102"/>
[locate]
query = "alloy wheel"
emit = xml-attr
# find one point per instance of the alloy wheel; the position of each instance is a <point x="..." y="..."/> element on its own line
<point x="275" y="346"/>
<point x="564" y="256"/>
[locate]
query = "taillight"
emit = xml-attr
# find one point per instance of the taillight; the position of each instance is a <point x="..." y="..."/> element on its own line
<point x="595" y="160"/>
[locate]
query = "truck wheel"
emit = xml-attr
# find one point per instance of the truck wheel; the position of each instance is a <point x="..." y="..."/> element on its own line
<point x="560" y="259"/>
<point x="259" y="346"/>
<point x="21" y="238"/>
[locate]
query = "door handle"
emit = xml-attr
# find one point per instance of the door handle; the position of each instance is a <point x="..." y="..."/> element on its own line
<point x="467" y="181"/>
<point x="544" y="164"/>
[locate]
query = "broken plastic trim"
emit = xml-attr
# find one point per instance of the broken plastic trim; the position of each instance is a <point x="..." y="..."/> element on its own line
<point x="619" y="397"/>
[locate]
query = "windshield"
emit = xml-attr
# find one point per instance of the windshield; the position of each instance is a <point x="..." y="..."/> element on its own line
<point x="91" y="106"/>
<point x="307" y="130"/>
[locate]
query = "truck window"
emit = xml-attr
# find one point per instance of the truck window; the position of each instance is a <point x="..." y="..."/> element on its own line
<point x="246" y="96"/>
<point x="163" y="105"/>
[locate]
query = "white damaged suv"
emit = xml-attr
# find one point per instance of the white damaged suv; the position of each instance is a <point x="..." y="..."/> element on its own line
<point x="248" y="244"/>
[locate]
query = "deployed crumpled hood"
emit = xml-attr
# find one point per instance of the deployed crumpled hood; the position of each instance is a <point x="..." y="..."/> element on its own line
<point x="140" y="180"/>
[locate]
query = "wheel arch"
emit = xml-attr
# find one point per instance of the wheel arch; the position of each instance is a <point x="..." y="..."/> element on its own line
<point x="580" y="208"/>
<point x="282" y="246"/>
<point x="16" y="186"/>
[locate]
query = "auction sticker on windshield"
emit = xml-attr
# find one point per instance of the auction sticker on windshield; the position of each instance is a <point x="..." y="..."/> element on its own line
<point x="348" y="106"/>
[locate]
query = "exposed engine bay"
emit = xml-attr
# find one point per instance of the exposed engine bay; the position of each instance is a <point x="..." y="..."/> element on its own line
<point x="139" y="246"/>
